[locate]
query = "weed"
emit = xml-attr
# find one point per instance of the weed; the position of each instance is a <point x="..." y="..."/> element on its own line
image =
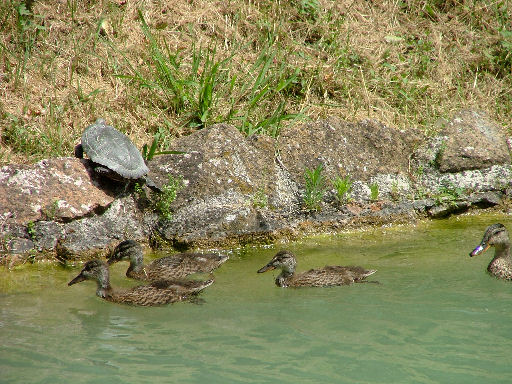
<point x="374" y="192"/>
<point x="28" y="29"/>
<point x="184" y="89"/>
<point x="31" y="258"/>
<point x="257" y="65"/>
<point x="149" y="152"/>
<point x="420" y="171"/>
<point x="206" y="83"/>
<point x="31" y="230"/>
<point x="419" y="57"/>
<point x="448" y="193"/>
<point x="5" y="243"/>
<point x="72" y="7"/>
<point x="497" y="60"/>
<point x="315" y="188"/>
<point x="23" y="138"/>
<point x="140" y="191"/>
<point x="420" y="193"/>
<point x="31" y="141"/>
<point x="439" y="155"/>
<point x="343" y="186"/>
<point x="395" y="191"/>
<point x="162" y="201"/>
<point x="259" y="199"/>
<point x="50" y="211"/>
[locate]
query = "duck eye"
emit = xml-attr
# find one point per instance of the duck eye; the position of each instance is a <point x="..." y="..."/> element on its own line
<point x="498" y="232"/>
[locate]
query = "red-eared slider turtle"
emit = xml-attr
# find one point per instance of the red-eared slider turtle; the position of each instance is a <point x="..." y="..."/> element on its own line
<point x="113" y="153"/>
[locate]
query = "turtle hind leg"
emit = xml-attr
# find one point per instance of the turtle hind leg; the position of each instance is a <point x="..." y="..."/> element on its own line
<point x="151" y="184"/>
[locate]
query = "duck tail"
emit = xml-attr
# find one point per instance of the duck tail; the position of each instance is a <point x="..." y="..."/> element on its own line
<point x="362" y="278"/>
<point x="204" y="285"/>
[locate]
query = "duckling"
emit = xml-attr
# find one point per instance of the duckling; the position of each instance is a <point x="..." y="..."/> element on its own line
<point x="157" y="293"/>
<point x="327" y="276"/>
<point x="496" y="236"/>
<point x="168" y="267"/>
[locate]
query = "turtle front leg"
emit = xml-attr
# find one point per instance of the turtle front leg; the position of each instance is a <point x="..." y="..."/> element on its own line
<point x="79" y="151"/>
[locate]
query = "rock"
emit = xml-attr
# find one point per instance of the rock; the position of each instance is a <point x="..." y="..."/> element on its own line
<point x="473" y="142"/>
<point x="447" y="160"/>
<point x="239" y="189"/>
<point x="446" y="209"/>
<point x="486" y="199"/>
<point x="219" y="160"/>
<point x="59" y="200"/>
<point x="224" y="173"/>
<point x="53" y="189"/>
<point x="122" y="220"/>
<point x="360" y="150"/>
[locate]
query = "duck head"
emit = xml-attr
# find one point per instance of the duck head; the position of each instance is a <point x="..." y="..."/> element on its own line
<point x="96" y="270"/>
<point x="495" y="235"/>
<point x="128" y="250"/>
<point x="285" y="260"/>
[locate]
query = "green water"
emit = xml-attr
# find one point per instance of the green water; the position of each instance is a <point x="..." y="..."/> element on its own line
<point x="436" y="317"/>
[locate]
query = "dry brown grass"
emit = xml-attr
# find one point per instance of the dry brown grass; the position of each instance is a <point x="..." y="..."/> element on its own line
<point x="406" y="63"/>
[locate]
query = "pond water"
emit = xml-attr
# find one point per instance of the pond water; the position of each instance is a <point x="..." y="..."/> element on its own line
<point x="436" y="316"/>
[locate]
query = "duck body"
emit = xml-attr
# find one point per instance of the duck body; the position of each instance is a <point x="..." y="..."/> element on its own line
<point x="158" y="292"/>
<point x="324" y="277"/>
<point x="165" y="268"/>
<point x="496" y="235"/>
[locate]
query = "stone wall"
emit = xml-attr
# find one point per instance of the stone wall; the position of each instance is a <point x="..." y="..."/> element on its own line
<point x="241" y="189"/>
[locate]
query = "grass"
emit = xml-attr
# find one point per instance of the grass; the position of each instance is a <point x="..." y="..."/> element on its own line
<point x="170" y="68"/>
<point x="148" y="152"/>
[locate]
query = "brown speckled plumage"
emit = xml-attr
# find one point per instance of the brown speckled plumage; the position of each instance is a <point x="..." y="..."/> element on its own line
<point x="156" y="293"/>
<point x="496" y="236"/>
<point x="327" y="276"/>
<point x="169" y="267"/>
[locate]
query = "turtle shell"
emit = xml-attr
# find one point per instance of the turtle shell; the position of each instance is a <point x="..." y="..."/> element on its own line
<point x="112" y="149"/>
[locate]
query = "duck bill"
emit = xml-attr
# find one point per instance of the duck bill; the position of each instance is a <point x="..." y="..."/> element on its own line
<point x="266" y="268"/>
<point x="480" y="249"/>
<point x="77" y="279"/>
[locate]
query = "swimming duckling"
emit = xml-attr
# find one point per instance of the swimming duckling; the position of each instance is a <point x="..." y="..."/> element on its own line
<point x="168" y="267"/>
<point x="496" y="236"/>
<point x="157" y="293"/>
<point x="327" y="276"/>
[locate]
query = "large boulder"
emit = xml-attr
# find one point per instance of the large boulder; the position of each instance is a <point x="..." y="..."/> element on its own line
<point x="54" y="189"/>
<point x="228" y="180"/>
<point x="473" y="141"/>
<point x="360" y="150"/>
<point x="220" y="160"/>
